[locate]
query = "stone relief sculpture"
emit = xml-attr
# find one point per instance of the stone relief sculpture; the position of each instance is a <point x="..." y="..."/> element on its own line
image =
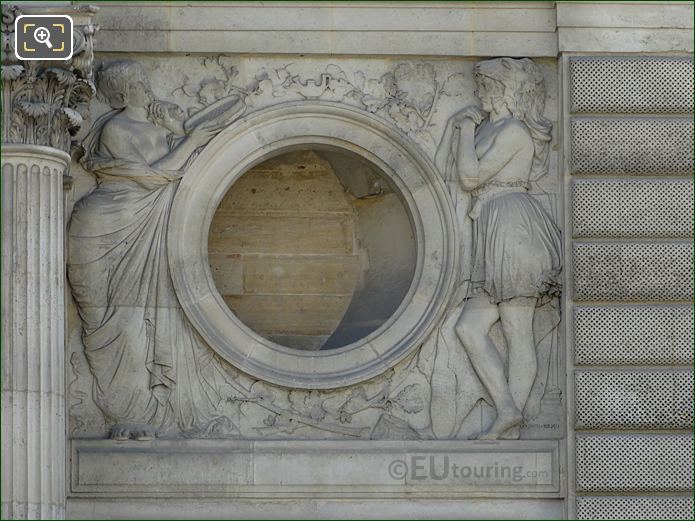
<point x="153" y="375"/>
<point x="150" y="367"/>
<point x="488" y="156"/>
<point x="407" y="95"/>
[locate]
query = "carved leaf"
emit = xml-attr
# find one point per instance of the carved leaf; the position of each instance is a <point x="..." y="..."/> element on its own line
<point x="360" y="80"/>
<point x="74" y="118"/>
<point x="406" y="117"/>
<point x="313" y="402"/>
<point x="86" y="88"/>
<point x="455" y="85"/>
<point x="228" y="65"/>
<point x="11" y="72"/>
<point x="189" y="88"/>
<point x="18" y="127"/>
<point x="62" y="76"/>
<point x="377" y="93"/>
<point x="336" y="72"/>
<point x="35" y="109"/>
<point x="418" y="82"/>
<point x="263" y="392"/>
<point x="410" y="399"/>
<point x="308" y="404"/>
<point x="56" y="137"/>
<point x="356" y="402"/>
<point x="211" y="90"/>
<point x="42" y="135"/>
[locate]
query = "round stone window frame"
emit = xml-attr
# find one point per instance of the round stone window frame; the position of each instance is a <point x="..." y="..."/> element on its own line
<point x="276" y="130"/>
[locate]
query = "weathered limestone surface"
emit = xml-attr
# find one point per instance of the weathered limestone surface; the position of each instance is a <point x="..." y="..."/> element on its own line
<point x="287" y="232"/>
<point x="405" y="29"/>
<point x="43" y="108"/>
<point x="340" y="260"/>
<point x="33" y="391"/>
<point x="410" y="373"/>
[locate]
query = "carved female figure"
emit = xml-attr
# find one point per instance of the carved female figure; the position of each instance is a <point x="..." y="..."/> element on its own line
<point x="492" y="153"/>
<point x="151" y="369"/>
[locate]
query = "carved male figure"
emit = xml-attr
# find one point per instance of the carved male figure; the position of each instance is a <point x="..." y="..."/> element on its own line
<point x="492" y="153"/>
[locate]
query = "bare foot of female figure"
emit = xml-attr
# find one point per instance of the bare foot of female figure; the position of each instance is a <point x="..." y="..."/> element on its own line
<point x="505" y="420"/>
<point x="135" y="431"/>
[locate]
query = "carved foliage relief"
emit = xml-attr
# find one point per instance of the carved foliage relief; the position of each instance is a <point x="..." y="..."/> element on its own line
<point x="45" y="103"/>
<point x="177" y="386"/>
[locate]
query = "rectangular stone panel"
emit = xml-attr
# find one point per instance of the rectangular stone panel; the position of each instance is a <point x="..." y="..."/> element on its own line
<point x="641" y="507"/>
<point x="164" y="466"/>
<point x="300" y="274"/>
<point x="632" y="145"/>
<point x="293" y="469"/>
<point x="657" y="15"/>
<point x="315" y="16"/>
<point x="615" y="271"/>
<point x="632" y="208"/>
<point x="634" y="462"/>
<point x="624" y="40"/>
<point x="290" y="189"/>
<point x="399" y="43"/>
<point x="634" y="399"/>
<point x="239" y="274"/>
<point x="631" y="84"/>
<point x="633" y="335"/>
<point x="362" y="28"/>
<point x="307" y="314"/>
<point x="278" y="233"/>
<point x="227" y="272"/>
<point x="314" y="508"/>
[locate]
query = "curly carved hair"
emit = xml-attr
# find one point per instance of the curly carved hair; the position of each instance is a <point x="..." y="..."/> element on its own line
<point x="114" y="78"/>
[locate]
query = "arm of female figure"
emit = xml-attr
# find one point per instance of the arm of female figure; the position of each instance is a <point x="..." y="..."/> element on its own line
<point x="198" y="137"/>
<point x="444" y="150"/>
<point x="473" y="171"/>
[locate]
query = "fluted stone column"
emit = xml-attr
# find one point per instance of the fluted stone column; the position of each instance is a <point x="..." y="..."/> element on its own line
<point x="33" y="392"/>
<point x="44" y="104"/>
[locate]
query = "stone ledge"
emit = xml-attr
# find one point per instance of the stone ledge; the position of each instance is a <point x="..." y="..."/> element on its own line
<point x="350" y="28"/>
<point x="133" y="508"/>
<point x="318" y="469"/>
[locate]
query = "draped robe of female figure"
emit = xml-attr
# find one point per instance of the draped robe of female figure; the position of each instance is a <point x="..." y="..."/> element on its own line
<point x="149" y="365"/>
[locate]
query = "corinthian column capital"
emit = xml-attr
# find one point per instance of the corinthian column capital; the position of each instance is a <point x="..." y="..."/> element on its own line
<point x="45" y="102"/>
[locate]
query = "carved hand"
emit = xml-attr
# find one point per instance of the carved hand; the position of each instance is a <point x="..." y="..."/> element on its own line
<point x="476" y="114"/>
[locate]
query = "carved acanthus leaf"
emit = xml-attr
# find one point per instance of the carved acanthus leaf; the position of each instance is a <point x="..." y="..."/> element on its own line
<point x="45" y="102"/>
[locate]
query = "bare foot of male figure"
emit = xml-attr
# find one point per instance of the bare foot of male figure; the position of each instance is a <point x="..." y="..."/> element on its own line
<point x="511" y="434"/>
<point x="136" y="431"/>
<point x="506" y="420"/>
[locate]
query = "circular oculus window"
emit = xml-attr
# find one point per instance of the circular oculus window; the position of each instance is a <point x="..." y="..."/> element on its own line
<point x="312" y="245"/>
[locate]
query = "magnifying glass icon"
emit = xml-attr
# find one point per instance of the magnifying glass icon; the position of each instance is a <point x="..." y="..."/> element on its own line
<point x="43" y="35"/>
